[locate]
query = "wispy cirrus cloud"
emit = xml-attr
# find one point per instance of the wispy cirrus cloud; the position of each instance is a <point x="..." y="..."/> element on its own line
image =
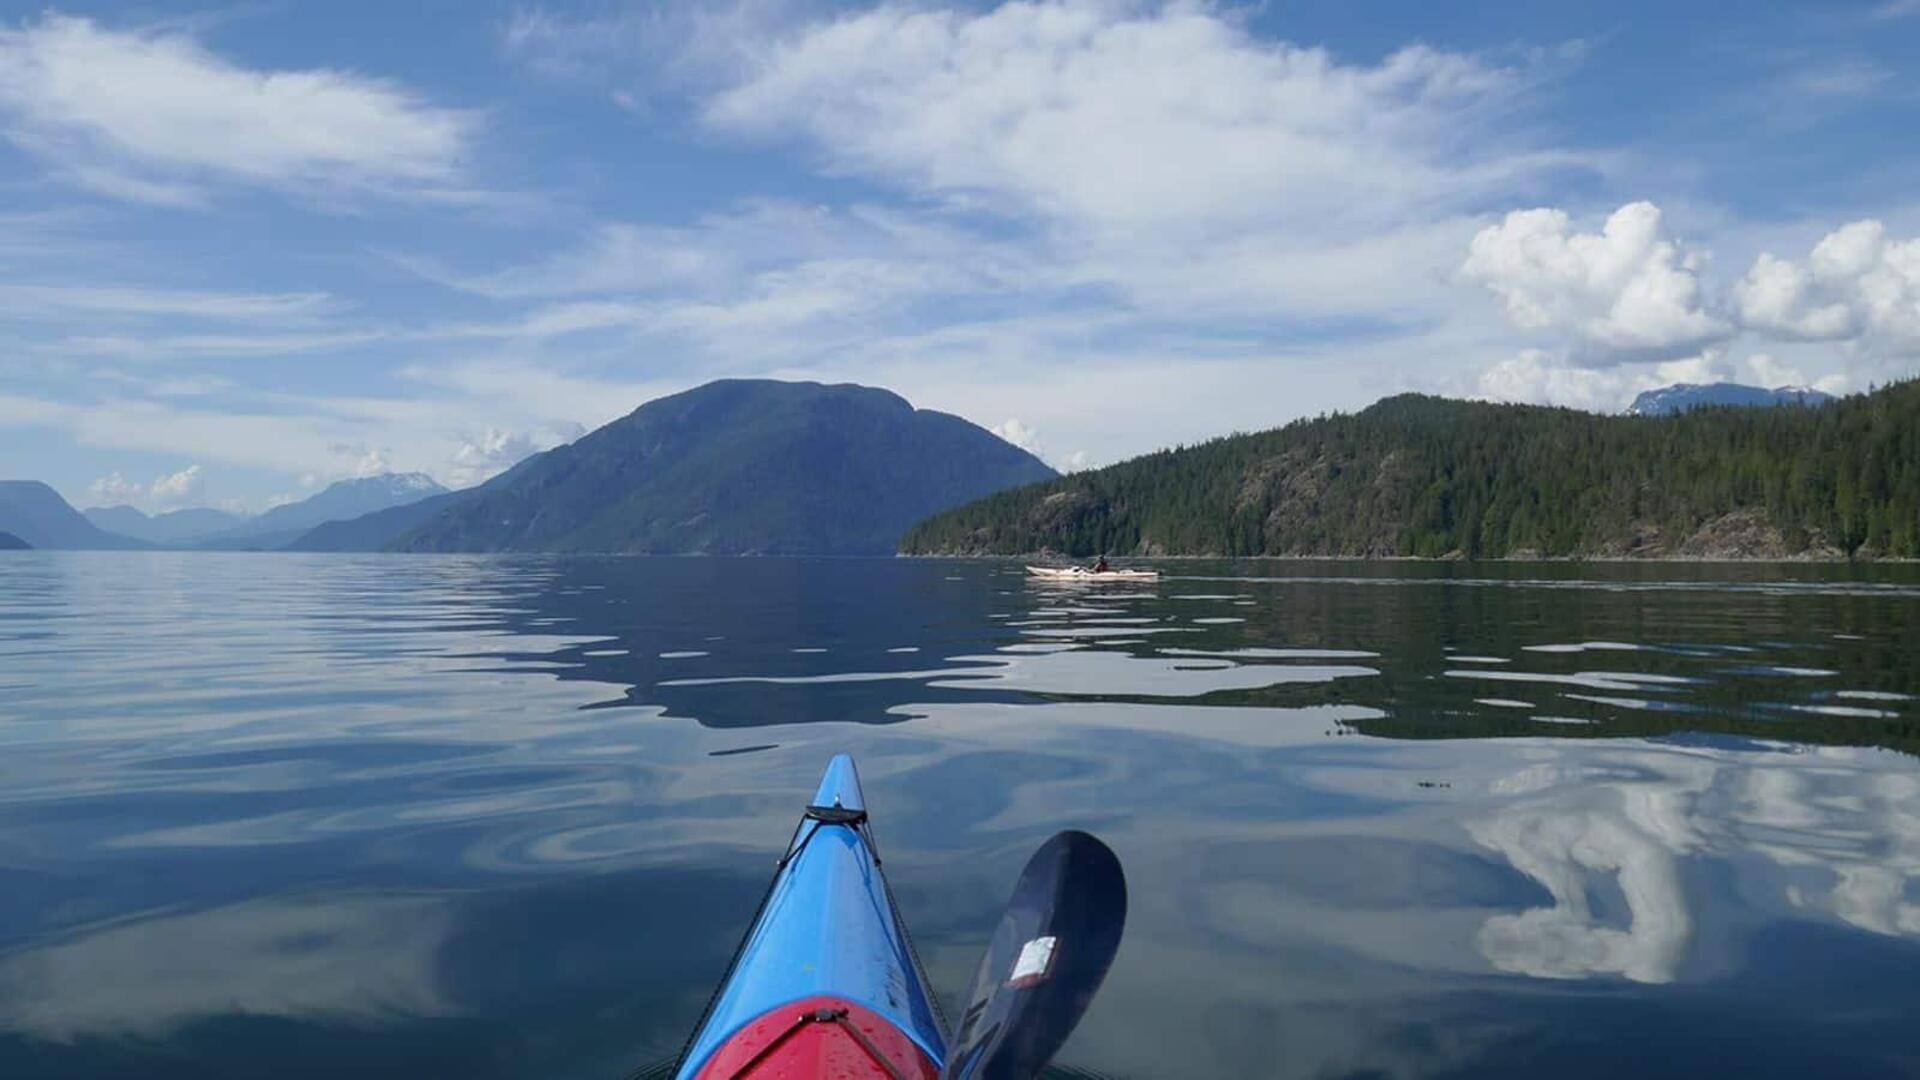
<point x="1131" y="116"/>
<point x="635" y="53"/>
<point x="156" y="117"/>
<point x="39" y="301"/>
<point x="1159" y="151"/>
<point x="210" y="346"/>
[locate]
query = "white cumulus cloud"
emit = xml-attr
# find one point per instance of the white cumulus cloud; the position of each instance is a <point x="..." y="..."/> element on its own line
<point x="153" y="117"/>
<point x="169" y="491"/>
<point x="115" y="490"/>
<point x="1017" y="433"/>
<point x="1022" y="435"/>
<point x="1767" y="370"/>
<point x="1856" y="284"/>
<point x="1534" y="376"/>
<point x="176" y="489"/>
<point x="484" y="455"/>
<point x="1537" y="376"/>
<point x="1627" y="292"/>
<point x="359" y="460"/>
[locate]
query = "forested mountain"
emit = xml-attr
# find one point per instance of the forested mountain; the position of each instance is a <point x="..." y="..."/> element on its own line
<point x="739" y="466"/>
<point x="1426" y="476"/>
<point x="10" y="542"/>
<point x="373" y="532"/>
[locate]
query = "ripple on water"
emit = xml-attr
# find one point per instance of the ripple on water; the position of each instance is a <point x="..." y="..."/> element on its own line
<point x="361" y="800"/>
<point x="1837" y="710"/>
<point x="1255" y="653"/>
<point x="1594" y="680"/>
<point x="1068" y="671"/>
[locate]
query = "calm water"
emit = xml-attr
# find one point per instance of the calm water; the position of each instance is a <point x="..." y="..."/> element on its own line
<point x="332" y="815"/>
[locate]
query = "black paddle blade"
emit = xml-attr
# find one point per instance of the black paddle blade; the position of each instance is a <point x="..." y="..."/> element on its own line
<point x="1046" y="959"/>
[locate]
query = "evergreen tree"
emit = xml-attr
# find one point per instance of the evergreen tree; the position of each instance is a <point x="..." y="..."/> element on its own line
<point x="1427" y="476"/>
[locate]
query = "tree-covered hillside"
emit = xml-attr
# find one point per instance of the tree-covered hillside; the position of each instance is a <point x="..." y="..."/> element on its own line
<point x="1425" y="476"/>
<point x="738" y="466"/>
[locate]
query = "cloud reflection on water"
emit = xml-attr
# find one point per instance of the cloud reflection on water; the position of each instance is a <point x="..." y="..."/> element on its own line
<point x="1629" y="815"/>
<point x="382" y="794"/>
<point x="342" y="959"/>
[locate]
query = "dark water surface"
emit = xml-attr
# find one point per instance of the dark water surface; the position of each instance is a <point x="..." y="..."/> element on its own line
<point x="276" y="815"/>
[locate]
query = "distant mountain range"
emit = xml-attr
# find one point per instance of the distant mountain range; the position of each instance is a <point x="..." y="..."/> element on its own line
<point x="283" y="525"/>
<point x="207" y="528"/>
<point x="178" y="526"/>
<point x="1681" y="397"/>
<point x="766" y="467"/>
<point x="38" y="515"/>
<point x="10" y="542"/>
<point x="739" y="466"/>
<point x="732" y="467"/>
<point x="1425" y="476"/>
<point x="373" y="532"/>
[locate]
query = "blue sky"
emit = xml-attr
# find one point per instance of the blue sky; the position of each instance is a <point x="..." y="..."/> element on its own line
<point x="246" y="250"/>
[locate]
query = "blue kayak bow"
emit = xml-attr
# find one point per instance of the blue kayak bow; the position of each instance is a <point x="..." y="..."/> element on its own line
<point x="826" y="980"/>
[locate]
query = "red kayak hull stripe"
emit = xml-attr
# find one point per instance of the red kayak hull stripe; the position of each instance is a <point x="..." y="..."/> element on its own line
<point x="791" y="1042"/>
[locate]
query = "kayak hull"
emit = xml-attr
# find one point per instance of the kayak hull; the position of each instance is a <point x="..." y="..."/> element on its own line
<point x="819" y="1037"/>
<point x="1082" y="574"/>
<point x="826" y="940"/>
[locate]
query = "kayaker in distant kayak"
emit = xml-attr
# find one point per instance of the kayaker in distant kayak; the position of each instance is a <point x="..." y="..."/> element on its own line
<point x="1101" y="567"/>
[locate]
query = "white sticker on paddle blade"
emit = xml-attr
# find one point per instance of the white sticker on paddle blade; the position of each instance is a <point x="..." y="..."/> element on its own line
<point x="1034" y="962"/>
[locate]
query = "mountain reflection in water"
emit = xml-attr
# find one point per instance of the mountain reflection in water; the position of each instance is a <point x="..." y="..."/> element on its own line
<point x="504" y="816"/>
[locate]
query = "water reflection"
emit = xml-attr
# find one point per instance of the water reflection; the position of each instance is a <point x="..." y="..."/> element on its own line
<point x="1622" y="821"/>
<point x="346" y="959"/>
<point x="501" y="816"/>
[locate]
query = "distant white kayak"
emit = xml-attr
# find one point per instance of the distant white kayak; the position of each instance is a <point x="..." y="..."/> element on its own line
<point x="1081" y="573"/>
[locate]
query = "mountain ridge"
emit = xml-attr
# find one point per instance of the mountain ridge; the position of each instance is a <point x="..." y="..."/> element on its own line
<point x="1432" y="477"/>
<point x="338" y="501"/>
<point x="737" y="466"/>
<point x="378" y="530"/>
<point x="36" y="514"/>
<point x="172" y="527"/>
<point x="1682" y="397"/>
